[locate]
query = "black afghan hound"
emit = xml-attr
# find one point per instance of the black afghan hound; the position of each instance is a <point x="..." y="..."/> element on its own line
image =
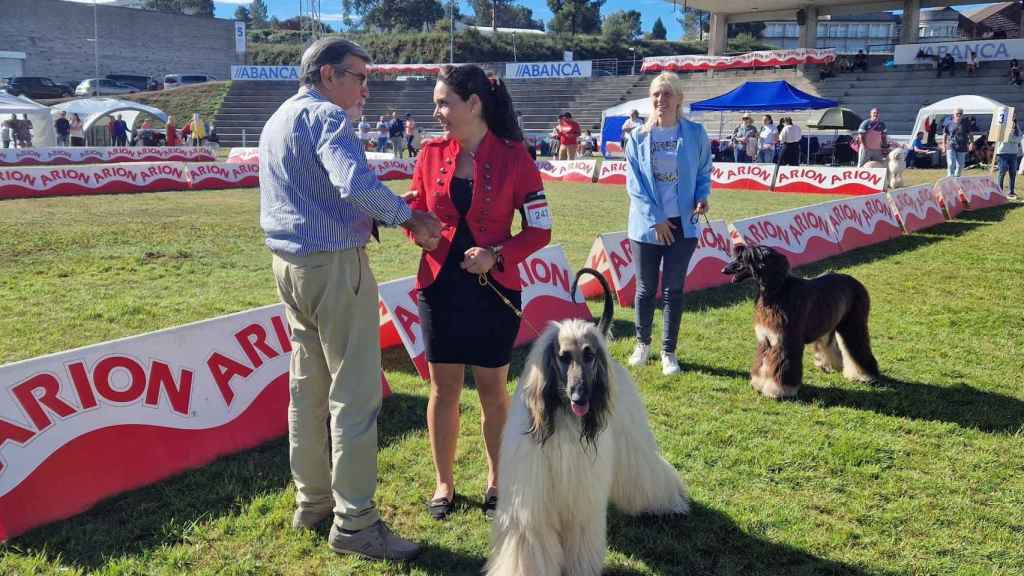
<point x="831" y="311"/>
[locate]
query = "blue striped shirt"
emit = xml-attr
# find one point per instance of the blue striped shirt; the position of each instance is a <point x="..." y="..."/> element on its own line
<point x="317" y="192"/>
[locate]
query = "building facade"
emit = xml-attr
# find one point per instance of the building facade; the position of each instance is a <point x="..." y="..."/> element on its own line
<point x="873" y="33"/>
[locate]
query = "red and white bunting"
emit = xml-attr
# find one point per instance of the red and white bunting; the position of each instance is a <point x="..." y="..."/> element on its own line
<point x="803" y="234"/>
<point x="949" y="195"/>
<point x="546" y="279"/>
<point x="760" y="59"/>
<point x="732" y="175"/>
<point x="567" y="170"/>
<point x="830" y="180"/>
<point x="862" y="221"/>
<point x="36" y="182"/>
<point x="916" y="207"/>
<point x="713" y="252"/>
<point x="612" y="172"/>
<point x="217" y="175"/>
<point x="77" y="155"/>
<point x="981" y="192"/>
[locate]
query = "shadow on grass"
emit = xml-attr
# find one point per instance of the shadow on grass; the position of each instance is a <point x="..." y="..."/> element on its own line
<point x="994" y="214"/>
<point x="163" y="514"/>
<point x="962" y="405"/>
<point x="705" y="541"/>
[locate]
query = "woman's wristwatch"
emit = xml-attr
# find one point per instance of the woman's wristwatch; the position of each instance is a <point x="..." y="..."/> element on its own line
<point x="499" y="260"/>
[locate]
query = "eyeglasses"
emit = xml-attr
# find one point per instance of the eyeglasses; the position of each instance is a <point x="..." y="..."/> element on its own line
<point x="363" y="78"/>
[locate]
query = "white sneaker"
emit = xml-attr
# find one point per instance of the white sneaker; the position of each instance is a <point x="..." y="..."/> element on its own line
<point x="669" y="364"/>
<point x="640" y="354"/>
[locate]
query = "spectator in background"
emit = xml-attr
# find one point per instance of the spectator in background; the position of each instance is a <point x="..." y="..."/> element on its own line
<point x="120" y="131"/>
<point x="871" y="137"/>
<point x="1007" y="158"/>
<point x="744" y="140"/>
<point x="946" y="63"/>
<point x="587" y="144"/>
<point x="410" y="134"/>
<point x="63" y="128"/>
<point x="212" y="137"/>
<point x="172" y="132"/>
<point x="918" y="152"/>
<point x="972" y="63"/>
<point x="77" y="131"/>
<point x="568" y="136"/>
<point x="769" y="138"/>
<point x="382" y="134"/>
<point x="956" y="141"/>
<point x="860" y="60"/>
<point x="364" y="132"/>
<point x="6" y="135"/>
<point x="24" y="132"/>
<point x="395" y="129"/>
<point x="826" y="71"/>
<point x="630" y="124"/>
<point x="790" y="143"/>
<point x="519" y="120"/>
<point x="186" y="133"/>
<point x="844" y="64"/>
<point x="1014" y="72"/>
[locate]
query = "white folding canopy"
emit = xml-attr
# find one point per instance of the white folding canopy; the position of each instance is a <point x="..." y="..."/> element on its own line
<point x="43" y="133"/>
<point x="971" y="105"/>
<point x="92" y="110"/>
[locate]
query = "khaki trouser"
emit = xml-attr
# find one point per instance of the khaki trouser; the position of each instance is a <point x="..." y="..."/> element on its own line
<point x="330" y="300"/>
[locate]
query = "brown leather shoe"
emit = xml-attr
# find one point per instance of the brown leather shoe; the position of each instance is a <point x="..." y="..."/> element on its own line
<point x="305" y="519"/>
<point x="375" y="542"/>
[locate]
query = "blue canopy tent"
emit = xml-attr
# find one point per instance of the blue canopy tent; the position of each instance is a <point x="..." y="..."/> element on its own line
<point x="775" y="96"/>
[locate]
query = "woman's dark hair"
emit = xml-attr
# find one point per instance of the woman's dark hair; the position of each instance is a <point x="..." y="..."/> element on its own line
<point x="498" y="112"/>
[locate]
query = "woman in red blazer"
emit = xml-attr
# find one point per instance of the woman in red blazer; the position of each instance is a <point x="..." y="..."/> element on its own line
<point x="474" y="179"/>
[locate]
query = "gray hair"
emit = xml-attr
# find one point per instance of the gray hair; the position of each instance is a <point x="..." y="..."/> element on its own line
<point x="327" y="51"/>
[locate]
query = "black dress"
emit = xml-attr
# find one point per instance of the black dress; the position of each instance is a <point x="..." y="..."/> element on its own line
<point x="464" y="322"/>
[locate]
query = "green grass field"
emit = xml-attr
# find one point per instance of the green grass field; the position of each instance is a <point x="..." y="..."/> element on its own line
<point x="921" y="474"/>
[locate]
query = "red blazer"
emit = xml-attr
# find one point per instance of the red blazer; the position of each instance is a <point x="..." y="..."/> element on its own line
<point x="505" y="180"/>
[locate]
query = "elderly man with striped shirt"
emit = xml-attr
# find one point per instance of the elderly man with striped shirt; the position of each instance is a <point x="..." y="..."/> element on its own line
<point x="319" y="204"/>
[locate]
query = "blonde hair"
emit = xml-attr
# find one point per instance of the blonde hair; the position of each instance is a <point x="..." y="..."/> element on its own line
<point x="675" y="84"/>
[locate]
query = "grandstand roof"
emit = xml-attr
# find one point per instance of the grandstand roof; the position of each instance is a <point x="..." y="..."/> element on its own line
<point x="782" y="8"/>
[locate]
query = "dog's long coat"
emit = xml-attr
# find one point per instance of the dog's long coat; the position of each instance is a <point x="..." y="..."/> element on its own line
<point x="831" y="311"/>
<point x="559" y="470"/>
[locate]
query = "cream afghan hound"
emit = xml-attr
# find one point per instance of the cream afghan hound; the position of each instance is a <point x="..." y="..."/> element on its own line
<point x="576" y="439"/>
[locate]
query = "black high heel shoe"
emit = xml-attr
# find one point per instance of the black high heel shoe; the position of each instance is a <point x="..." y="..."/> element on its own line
<point x="441" y="508"/>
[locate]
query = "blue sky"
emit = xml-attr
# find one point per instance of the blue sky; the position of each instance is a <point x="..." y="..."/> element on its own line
<point x="650" y="10"/>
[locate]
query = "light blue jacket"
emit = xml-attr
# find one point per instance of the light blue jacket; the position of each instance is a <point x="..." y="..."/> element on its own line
<point x="694" y="160"/>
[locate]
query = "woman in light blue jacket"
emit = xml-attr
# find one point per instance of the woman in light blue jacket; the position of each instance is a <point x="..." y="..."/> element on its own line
<point x="668" y="181"/>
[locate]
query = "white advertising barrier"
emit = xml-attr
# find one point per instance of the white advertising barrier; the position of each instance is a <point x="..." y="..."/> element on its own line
<point x="760" y="59"/>
<point x="732" y="175"/>
<point x="37" y="182"/>
<point x="612" y="256"/>
<point x="862" y="221"/>
<point x="76" y="155"/>
<point x="803" y="234"/>
<point x="830" y="180"/>
<point x="950" y="197"/>
<point x="612" y="172"/>
<point x="567" y="170"/>
<point x="916" y="207"/>
<point x="218" y="175"/>
<point x="981" y="192"/>
<point x="243" y="155"/>
<point x="991" y="49"/>
<point x="575" y="69"/>
<point x="546" y="279"/>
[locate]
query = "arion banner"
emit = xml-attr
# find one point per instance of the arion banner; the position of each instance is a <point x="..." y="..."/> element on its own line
<point x="39" y="181"/>
<point x="612" y="172"/>
<point x="803" y="234"/>
<point x="981" y="192"/>
<point x="732" y="175"/>
<point x="567" y="170"/>
<point x="104" y="155"/>
<point x="216" y="175"/>
<point x="546" y="279"/>
<point x="830" y="180"/>
<point x="713" y="252"/>
<point x="949" y="195"/>
<point x="916" y="207"/>
<point x="862" y="221"/>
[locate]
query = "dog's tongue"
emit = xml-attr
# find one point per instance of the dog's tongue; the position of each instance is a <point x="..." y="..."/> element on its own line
<point x="580" y="409"/>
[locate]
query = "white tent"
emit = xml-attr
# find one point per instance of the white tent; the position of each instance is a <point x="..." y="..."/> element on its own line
<point x="971" y="105"/>
<point x="613" y="118"/>
<point x="43" y="133"/>
<point x="98" y="110"/>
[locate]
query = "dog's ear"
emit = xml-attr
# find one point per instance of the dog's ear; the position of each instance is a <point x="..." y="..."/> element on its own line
<point x="545" y="381"/>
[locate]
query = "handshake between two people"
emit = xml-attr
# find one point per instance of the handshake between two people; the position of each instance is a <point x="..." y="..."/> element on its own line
<point x="425" y="228"/>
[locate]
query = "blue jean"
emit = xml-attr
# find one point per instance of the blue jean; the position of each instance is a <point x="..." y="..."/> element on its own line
<point x="648" y="260"/>
<point x="740" y="155"/>
<point x="382" y="143"/>
<point x="955" y="162"/>
<point x="766" y="156"/>
<point x="1007" y="163"/>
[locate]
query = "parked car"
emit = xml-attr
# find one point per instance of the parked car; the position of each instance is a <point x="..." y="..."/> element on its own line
<point x="35" y="87"/>
<point x="177" y="80"/>
<point x="137" y="80"/>
<point x="102" y="87"/>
